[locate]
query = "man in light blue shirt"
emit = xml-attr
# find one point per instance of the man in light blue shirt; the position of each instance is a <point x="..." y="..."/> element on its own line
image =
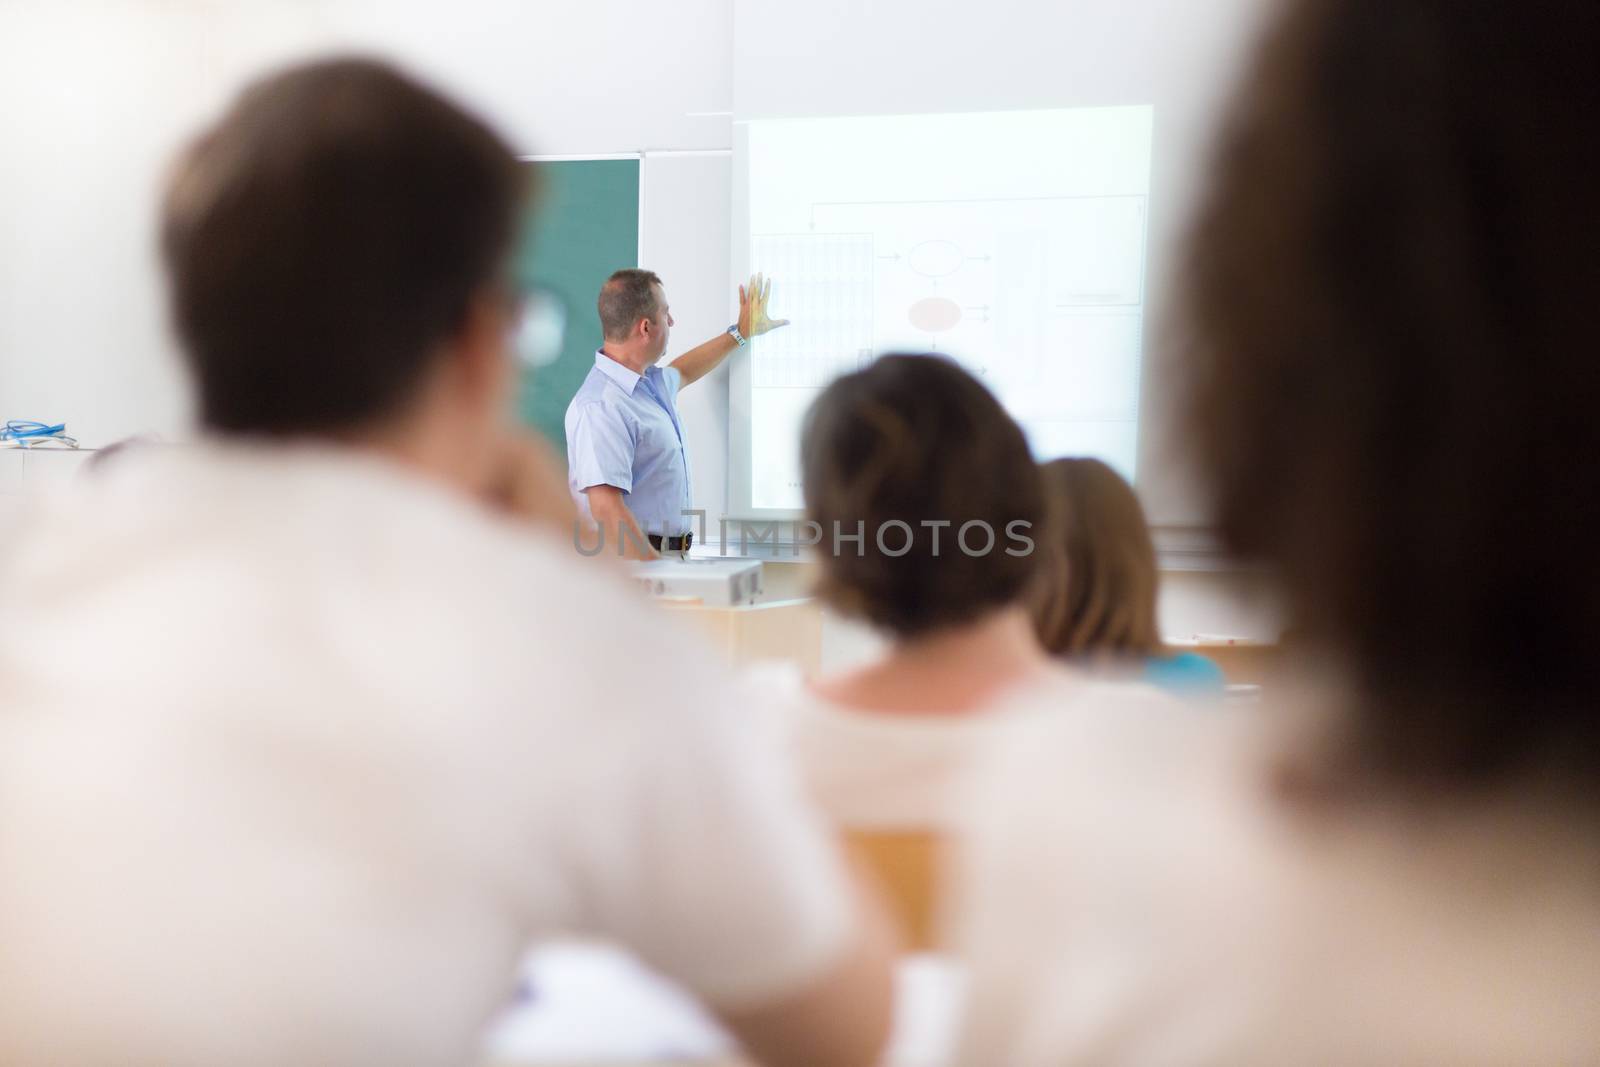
<point x="627" y="460"/>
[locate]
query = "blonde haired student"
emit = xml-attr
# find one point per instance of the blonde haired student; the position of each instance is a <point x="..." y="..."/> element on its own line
<point x="1095" y="604"/>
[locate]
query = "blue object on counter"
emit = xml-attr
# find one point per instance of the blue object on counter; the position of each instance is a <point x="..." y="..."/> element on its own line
<point x="25" y="432"/>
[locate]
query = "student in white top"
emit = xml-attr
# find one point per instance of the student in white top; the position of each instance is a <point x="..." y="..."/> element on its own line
<point x="301" y="743"/>
<point x="929" y="506"/>
<point x="1391" y="302"/>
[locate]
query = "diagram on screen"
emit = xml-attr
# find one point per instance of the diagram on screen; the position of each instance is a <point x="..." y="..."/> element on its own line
<point x="1022" y="257"/>
<point x="938" y="313"/>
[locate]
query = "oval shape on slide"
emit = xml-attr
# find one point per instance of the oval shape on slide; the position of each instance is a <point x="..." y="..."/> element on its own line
<point x="937" y="259"/>
<point x="934" y="314"/>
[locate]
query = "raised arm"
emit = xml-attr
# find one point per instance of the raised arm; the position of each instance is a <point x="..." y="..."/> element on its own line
<point x="753" y="322"/>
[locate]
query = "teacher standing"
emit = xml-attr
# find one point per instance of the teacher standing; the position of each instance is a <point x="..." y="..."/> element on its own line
<point x="627" y="461"/>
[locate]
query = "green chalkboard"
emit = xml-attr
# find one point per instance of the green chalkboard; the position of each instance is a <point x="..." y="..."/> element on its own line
<point x="585" y="225"/>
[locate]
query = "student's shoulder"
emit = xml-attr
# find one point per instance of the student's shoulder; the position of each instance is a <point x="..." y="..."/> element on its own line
<point x="1090" y="742"/>
<point x="576" y="639"/>
<point x="532" y="570"/>
<point x="538" y="579"/>
<point x="440" y="543"/>
<point x="1070" y="700"/>
<point x="1125" y="788"/>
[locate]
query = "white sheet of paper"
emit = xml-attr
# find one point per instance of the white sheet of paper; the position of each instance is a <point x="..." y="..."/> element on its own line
<point x="591" y="1003"/>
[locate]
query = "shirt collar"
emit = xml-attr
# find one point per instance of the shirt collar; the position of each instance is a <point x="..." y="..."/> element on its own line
<point x="624" y="377"/>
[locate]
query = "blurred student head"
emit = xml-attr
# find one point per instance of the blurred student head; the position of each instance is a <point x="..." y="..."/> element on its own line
<point x="1390" y="302"/>
<point x="337" y="246"/>
<point x="916" y="456"/>
<point x="1097" y="583"/>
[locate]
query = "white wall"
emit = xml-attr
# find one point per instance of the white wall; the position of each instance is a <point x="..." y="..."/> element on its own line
<point x="96" y="96"/>
<point x="91" y="99"/>
<point x="684" y="238"/>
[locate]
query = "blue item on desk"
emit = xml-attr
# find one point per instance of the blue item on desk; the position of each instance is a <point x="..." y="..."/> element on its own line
<point x="25" y="432"/>
<point x="1187" y="674"/>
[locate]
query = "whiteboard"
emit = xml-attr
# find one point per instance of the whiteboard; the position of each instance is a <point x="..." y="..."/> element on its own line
<point x="1012" y="242"/>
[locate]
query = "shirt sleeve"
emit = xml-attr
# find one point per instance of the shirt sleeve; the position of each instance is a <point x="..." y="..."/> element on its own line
<point x="723" y="877"/>
<point x="600" y="449"/>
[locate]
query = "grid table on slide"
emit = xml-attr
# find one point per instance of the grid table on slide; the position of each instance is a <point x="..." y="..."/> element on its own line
<point x="828" y="294"/>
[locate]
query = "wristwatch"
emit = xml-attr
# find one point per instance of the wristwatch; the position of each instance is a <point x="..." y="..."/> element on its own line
<point x="733" y="332"/>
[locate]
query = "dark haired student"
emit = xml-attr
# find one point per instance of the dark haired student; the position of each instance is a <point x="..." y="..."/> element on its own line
<point x="931" y="514"/>
<point x="627" y="459"/>
<point x="304" y="741"/>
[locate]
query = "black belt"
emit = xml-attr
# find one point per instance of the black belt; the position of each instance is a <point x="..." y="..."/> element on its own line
<point x="673" y="544"/>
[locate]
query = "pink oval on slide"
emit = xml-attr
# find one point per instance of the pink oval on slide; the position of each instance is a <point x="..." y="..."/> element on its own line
<point x="934" y="314"/>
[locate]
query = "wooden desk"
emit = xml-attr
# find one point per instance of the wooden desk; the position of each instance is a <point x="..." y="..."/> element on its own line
<point x="1242" y="662"/>
<point x="786" y="630"/>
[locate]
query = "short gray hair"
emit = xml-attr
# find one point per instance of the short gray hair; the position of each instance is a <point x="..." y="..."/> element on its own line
<point x="625" y="298"/>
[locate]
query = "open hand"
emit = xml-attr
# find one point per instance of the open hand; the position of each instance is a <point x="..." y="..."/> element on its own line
<point x="753" y="320"/>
